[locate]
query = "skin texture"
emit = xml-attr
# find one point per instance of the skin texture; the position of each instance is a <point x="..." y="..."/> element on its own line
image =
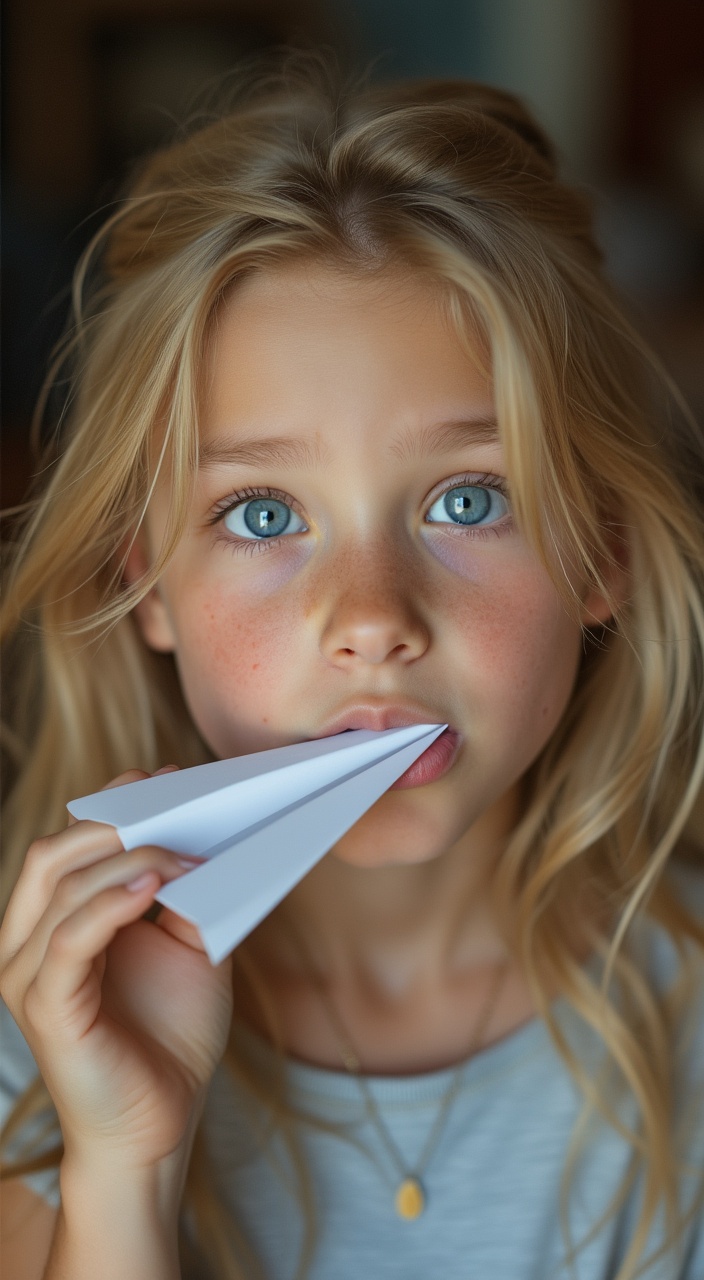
<point x="368" y="603"/>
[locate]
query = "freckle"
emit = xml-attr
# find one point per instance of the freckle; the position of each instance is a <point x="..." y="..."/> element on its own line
<point x="255" y="666"/>
<point x="265" y="719"/>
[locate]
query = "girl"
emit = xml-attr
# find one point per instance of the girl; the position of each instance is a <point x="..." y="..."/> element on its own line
<point x="358" y="437"/>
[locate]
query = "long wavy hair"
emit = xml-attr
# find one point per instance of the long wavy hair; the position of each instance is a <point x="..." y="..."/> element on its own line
<point x="457" y="182"/>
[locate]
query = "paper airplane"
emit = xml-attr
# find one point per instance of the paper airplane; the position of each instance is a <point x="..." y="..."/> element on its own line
<point x="262" y="821"/>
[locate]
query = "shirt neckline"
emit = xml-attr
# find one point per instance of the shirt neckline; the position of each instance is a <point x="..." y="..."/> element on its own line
<point x="526" y="1041"/>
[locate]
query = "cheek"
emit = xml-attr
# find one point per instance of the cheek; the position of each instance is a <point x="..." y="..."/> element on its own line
<point x="240" y="643"/>
<point x="234" y="650"/>
<point x="519" y="647"/>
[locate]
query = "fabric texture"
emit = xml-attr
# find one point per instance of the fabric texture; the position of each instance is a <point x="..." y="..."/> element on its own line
<point x="493" y="1181"/>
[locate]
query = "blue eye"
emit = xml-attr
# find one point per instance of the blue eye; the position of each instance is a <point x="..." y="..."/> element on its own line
<point x="468" y="504"/>
<point x="262" y="518"/>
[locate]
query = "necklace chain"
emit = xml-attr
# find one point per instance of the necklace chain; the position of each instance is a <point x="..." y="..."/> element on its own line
<point x="410" y="1195"/>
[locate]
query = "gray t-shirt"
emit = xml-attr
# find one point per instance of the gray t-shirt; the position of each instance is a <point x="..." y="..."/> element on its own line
<point x="493" y="1180"/>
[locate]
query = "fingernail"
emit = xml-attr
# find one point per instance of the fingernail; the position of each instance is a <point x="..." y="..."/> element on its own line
<point x="165" y="768"/>
<point x="188" y="863"/>
<point x="141" y="882"/>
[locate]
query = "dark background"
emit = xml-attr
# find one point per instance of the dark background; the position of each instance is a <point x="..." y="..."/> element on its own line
<point x="90" y="84"/>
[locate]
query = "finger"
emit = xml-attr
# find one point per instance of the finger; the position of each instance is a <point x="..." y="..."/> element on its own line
<point x="47" y="860"/>
<point x="122" y="779"/>
<point x="62" y="983"/>
<point x="80" y="887"/>
<point x="179" y="928"/>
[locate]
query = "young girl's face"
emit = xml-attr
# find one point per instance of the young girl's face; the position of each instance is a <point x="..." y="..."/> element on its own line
<point x="351" y="558"/>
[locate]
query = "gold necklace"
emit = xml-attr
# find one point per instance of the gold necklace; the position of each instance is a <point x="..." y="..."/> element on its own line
<point x="410" y="1195"/>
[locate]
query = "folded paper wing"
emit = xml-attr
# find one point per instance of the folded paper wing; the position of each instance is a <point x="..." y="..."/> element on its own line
<point x="262" y="821"/>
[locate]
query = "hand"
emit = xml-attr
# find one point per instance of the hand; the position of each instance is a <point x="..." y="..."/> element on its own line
<point x="126" y="1018"/>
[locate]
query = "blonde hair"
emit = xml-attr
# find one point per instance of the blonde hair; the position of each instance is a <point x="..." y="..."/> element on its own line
<point x="457" y="182"/>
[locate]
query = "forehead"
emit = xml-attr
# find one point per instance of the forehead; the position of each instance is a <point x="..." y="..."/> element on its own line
<point x="309" y="348"/>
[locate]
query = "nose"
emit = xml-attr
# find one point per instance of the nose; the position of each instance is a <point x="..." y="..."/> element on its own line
<point x="373" y="623"/>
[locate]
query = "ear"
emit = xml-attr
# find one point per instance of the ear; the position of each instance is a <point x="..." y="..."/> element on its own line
<point x="151" y="613"/>
<point x="615" y="572"/>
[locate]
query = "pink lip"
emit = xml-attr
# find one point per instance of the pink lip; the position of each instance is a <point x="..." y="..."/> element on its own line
<point x="432" y="764"/>
<point x="379" y="717"/>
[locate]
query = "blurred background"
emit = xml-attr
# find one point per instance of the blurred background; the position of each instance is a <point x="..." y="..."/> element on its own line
<point x="89" y="85"/>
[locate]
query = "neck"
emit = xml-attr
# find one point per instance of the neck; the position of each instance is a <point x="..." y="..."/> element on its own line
<point x="405" y="954"/>
<point x="394" y="928"/>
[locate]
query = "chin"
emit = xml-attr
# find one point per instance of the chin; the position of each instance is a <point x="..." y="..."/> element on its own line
<point x="390" y="841"/>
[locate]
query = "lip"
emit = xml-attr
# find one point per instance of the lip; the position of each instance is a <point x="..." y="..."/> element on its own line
<point x="380" y="716"/>
<point x="435" y="761"/>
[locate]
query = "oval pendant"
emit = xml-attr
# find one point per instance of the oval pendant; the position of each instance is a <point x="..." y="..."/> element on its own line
<point x="410" y="1199"/>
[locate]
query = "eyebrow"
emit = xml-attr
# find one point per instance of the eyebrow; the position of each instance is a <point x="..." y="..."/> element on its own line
<point x="442" y="437"/>
<point x="272" y="451"/>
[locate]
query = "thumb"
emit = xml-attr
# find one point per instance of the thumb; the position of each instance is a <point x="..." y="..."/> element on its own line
<point x="179" y="928"/>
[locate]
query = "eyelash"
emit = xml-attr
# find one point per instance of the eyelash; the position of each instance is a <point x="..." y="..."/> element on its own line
<point x="241" y="546"/>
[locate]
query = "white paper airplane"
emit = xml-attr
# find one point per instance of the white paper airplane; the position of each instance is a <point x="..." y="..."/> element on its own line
<point x="262" y="821"/>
